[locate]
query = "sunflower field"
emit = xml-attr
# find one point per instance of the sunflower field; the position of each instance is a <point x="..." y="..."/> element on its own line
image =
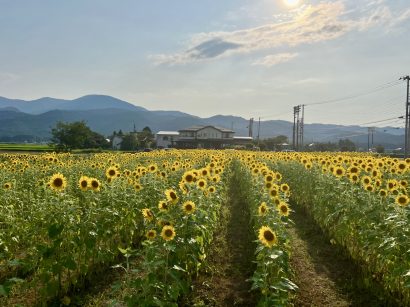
<point x="67" y="218"/>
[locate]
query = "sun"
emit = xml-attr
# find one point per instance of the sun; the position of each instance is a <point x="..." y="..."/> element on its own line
<point x="291" y="2"/>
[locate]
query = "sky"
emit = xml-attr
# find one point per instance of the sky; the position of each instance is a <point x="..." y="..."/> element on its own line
<point x="252" y="58"/>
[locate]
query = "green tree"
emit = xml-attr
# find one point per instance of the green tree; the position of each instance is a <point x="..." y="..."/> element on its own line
<point x="145" y="138"/>
<point x="67" y="136"/>
<point x="129" y="142"/>
<point x="346" y="145"/>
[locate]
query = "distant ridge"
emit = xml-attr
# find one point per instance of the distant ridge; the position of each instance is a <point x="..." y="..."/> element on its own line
<point x="89" y="102"/>
<point x="106" y="114"/>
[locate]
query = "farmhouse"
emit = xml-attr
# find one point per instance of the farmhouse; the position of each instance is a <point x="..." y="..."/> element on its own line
<point x="209" y="137"/>
<point x="166" y="139"/>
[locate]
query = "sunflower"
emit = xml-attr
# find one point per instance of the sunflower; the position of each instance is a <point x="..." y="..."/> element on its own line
<point x="211" y="189"/>
<point x="402" y="200"/>
<point x="171" y="196"/>
<point x="201" y="183"/>
<point x="152" y="168"/>
<point x="111" y="172"/>
<point x="263" y="209"/>
<point x="383" y="192"/>
<point x="168" y="233"/>
<point x="338" y="171"/>
<point x="354" y="178"/>
<point x="273" y="193"/>
<point x="366" y="180"/>
<point x="368" y="187"/>
<point x="284" y="187"/>
<point x="267" y="236"/>
<point x="283" y="208"/>
<point x="188" y="177"/>
<point x="151" y="234"/>
<point x="58" y="182"/>
<point x="269" y="178"/>
<point x="188" y="207"/>
<point x="163" y="206"/>
<point x="137" y="186"/>
<point x="84" y="183"/>
<point x="148" y="215"/>
<point x="7" y="186"/>
<point x="95" y="184"/>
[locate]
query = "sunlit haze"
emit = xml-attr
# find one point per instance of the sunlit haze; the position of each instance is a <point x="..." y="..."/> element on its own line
<point x="249" y="58"/>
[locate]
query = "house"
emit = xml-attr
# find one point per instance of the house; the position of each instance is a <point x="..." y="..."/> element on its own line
<point x="116" y="142"/>
<point x="166" y="139"/>
<point x="209" y="137"/>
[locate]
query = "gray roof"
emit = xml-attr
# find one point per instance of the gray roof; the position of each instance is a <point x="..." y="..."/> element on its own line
<point x="197" y="128"/>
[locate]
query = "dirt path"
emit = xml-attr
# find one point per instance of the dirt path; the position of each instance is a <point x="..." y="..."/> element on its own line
<point x="230" y="260"/>
<point x="325" y="276"/>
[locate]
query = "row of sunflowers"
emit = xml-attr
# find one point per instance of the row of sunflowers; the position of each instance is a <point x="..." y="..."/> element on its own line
<point x="65" y="217"/>
<point x="362" y="203"/>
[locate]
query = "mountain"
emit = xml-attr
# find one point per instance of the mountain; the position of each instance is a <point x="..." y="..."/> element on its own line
<point x="89" y="102"/>
<point x="27" y="120"/>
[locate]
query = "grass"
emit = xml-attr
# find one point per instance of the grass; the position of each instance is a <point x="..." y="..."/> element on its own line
<point x="24" y="147"/>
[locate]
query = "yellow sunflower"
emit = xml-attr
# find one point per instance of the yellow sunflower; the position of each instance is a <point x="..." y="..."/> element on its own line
<point x="211" y="189"/>
<point x="84" y="183"/>
<point x="168" y="233"/>
<point x="148" y="215"/>
<point x="58" y="182"/>
<point x="151" y="234"/>
<point x="402" y="200"/>
<point x="163" y="206"/>
<point x="7" y="185"/>
<point x="172" y="196"/>
<point x="111" y="172"/>
<point x="283" y="209"/>
<point x="267" y="236"/>
<point x="188" y="207"/>
<point x="263" y="209"/>
<point x="95" y="184"/>
<point x="201" y="183"/>
<point x="284" y="187"/>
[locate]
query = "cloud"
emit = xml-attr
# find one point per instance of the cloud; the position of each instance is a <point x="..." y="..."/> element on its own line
<point x="311" y="24"/>
<point x="8" y="77"/>
<point x="274" y="59"/>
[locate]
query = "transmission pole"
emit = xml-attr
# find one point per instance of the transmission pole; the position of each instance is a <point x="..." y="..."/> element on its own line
<point x="406" y="132"/>
<point x="251" y="127"/>
<point x="296" y="126"/>
<point x="302" y="126"/>
<point x="259" y="128"/>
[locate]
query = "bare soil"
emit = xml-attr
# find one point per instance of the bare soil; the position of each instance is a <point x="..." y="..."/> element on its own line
<point x="230" y="260"/>
<point x="326" y="276"/>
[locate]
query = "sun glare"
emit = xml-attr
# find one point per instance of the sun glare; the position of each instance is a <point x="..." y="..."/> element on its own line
<point x="291" y="2"/>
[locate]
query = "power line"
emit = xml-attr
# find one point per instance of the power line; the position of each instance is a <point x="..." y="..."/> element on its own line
<point x="374" y="90"/>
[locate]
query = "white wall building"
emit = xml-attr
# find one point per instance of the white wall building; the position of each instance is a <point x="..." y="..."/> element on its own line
<point x="166" y="139"/>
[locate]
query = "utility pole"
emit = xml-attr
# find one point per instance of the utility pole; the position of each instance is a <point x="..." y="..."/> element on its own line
<point x="370" y="137"/>
<point x="295" y="140"/>
<point x="259" y="128"/>
<point x="251" y="127"/>
<point x="302" y="126"/>
<point x="406" y="133"/>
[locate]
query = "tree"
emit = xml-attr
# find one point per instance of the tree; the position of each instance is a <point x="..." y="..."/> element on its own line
<point x="129" y="142"/>
<point x="379" y="149"/>
<point x="145" y="138"/>
<point x="67" y="136"/>
<point x="346" y="145"/>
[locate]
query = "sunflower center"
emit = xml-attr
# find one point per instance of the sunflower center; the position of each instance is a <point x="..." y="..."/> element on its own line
<point x="111" y="172"/>
<point x="188" y="207"/>
<point x="173" y="195"/>
<point x="58" y="182"/>
<point x="189" y="178"/>
<point x="168" y="233"/>
<point x="84" y="183"/>
<point x="268" y="235"/>
<point x="94" y="184"/>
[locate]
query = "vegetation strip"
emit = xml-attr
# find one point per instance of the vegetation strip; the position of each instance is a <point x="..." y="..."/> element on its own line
<point x="326" y="276"/>
<point x="230" y="262"/>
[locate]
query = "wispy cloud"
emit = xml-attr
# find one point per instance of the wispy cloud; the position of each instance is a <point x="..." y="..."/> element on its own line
<point x="6" y="77"/>
<point x="275" y="59"/>
<point x="312" y="24"/>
